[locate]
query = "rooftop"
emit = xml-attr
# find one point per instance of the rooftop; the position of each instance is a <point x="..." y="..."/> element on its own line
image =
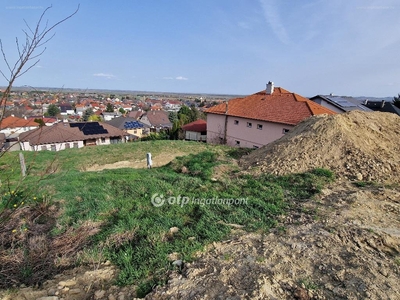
<point x="280" y="106"/>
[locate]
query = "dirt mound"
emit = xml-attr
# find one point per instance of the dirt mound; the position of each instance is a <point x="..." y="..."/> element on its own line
<point x="313" y="254"/>
<point x="355" y="145"/>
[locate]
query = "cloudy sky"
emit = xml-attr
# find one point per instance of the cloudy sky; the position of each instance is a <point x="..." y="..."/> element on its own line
<point x="345" y="47"/>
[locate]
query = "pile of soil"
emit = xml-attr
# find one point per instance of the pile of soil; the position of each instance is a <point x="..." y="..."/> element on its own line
<point x="355" y="145"/>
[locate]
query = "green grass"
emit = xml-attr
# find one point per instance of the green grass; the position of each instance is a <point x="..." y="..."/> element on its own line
<point x="135" y="234"/>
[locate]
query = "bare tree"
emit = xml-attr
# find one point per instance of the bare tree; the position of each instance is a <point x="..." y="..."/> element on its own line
<point x="29" y="52"/>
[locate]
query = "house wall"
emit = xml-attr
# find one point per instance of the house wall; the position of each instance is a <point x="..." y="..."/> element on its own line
<point x="195" y="136"/>
<point x="138" y="132"/>
<point x="8" y="131"/>
<point x="58" y="146"/>
<point x="105" y="141"/>
<point x="240" y="134"/>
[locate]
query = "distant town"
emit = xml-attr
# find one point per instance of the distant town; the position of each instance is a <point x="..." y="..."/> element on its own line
<point x="34" y="119"/>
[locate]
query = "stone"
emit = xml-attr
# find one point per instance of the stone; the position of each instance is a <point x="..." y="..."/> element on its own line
<point x="75" y="291"/>
<point x="67" y="283"/>
<point x="52" y="292"/>
<point x="48" y="298"/>
<point x="173" y="230"/>
<point x="99" y="294"/>
<point x="178" y="263"/>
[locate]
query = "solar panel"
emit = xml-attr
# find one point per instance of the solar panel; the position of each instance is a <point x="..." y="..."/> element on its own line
<point x="90" y="128"/>
<point x="132" y="124"/>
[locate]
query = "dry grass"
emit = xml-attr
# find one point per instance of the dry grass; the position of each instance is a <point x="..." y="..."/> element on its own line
<point x="29" y="254"/>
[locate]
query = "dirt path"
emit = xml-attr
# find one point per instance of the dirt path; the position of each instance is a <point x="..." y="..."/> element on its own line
<point x="158" y="161"/>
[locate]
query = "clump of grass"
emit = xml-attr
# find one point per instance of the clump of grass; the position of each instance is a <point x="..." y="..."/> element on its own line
<point x="308" y="284"/>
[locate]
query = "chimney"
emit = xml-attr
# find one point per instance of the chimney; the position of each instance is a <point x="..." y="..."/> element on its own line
<point x="270" y="88"/>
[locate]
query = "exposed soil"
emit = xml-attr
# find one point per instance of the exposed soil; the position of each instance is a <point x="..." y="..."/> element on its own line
<point x="158" y="161"/>
<point x="355" y="145"/>
<point x="342" y="244"/>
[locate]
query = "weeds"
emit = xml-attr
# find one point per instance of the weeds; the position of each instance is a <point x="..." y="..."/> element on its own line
<point x="308" y="284"/>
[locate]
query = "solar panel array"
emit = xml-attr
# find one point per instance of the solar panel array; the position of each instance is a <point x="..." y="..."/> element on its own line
<point x="90" y="128"/>
<point x="342" y="102"/>
<point x="133" y="125"/>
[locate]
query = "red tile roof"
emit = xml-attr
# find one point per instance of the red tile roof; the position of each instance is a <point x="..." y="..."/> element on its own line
<point x="281" y="106"/>
<point x="196" y="126"/>
<point x="14" y="122"/>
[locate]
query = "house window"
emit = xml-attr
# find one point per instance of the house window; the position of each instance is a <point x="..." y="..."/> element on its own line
<point x="67" y="146"/>
<point x="75" y="145"/>
<point x="53" y="148"/>
<point x="259" y="126"/>
<point x="43" y="148"/>
<point x="235" y="122"/>
<point x="249" y="124"/>
<point x="285" y="130"/>
<point x="103" y="140"/>
<point x="237" y="143"/>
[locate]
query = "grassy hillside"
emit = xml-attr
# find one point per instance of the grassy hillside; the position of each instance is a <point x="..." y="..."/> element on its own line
<point x="110" y="214"/>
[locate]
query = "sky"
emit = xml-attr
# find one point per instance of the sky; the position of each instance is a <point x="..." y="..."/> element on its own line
<point x="310" y="47"/>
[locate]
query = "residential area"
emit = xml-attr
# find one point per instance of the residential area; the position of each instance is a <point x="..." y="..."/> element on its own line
<point x="35" y="121"/>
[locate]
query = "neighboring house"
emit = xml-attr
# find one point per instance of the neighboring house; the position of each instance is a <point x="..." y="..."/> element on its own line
<point x="196" y="131"/>
<point x="173" y="105"/>
<point x="135" y="114"/>
<point x="80" y="109"/>
<point x="259" y="119"/>
<point x="15" y="125"/>
<point x="382" y="106"/>
<point x="48" y="121"/>
<point x="135" y="128"/>
<point x="157" y="120"/>
<point x="70" y="135"/>
<point x="108" y="116"/>
<point x="66" y="109"/>
<point x="339" y="104"/>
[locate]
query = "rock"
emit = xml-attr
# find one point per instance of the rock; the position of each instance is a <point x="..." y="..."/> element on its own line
<point x="48" y="298"/>
<point x="178" y="263"/>
<point x="359" y="176"/>
<point x="99" y="294"/>
<point x="173" y="230"/>
<point x="75" y="291"/>
<point x="52" y="292"/>
<point x="301" y="294"/>
<point x="67" y="283"/>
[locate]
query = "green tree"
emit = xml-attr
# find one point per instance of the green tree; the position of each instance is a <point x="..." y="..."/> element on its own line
<point x="172" y="116"/>
<point x="396" y="101"/>
<point x="94" y="118"/>
<point x="109" y="108"/>
<point x="86" y="115"/>
<point x="122" y="111"/>
<point x="53" y="110"/>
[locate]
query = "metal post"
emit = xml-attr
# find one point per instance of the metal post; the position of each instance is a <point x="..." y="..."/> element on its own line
<point x="149" y="161"/>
